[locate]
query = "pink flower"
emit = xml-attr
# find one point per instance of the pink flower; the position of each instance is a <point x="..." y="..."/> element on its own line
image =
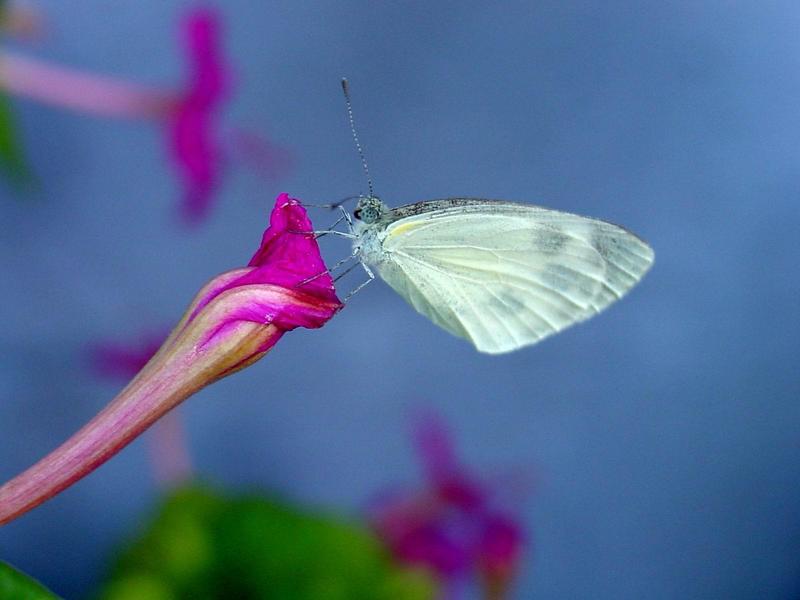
<point x="452" y="526"/>
<point x="232" y="322"/>
<point x="197" y="144"/>
<point x="270" y="286"/>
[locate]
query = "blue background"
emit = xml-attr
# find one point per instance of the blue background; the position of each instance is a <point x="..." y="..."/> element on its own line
<point x="663" y="437"/>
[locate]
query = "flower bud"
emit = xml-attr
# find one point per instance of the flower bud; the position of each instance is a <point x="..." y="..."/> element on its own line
<point x="232" y="322"/>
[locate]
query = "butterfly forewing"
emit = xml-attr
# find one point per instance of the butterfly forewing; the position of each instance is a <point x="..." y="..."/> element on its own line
<point x="505" y="275"/>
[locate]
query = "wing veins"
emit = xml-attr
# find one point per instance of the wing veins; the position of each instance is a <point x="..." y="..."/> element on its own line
<point x="532" y="283"/>
<point x="515" y="260"/>
<point x="582" y="312"/>
<point x="432" y="305"/>
<point x="487" y="332"/>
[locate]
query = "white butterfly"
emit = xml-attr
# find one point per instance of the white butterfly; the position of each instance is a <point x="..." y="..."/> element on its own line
<point x="500" y="274"/>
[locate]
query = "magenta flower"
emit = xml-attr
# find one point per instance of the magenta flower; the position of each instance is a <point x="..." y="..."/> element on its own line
<point x="197" y="144"/>
<point x="232" y="322"/>
<point x="193" y="137"/>
<point x="453" y="526"/>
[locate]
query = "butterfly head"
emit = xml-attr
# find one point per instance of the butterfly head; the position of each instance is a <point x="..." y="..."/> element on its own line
<point x="369" y="209"/>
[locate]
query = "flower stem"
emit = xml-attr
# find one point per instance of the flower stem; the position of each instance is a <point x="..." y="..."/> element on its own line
<point x="176" y="372"/>
<point x="233" y="321"/>
<point x="131" y="412"/>
<point x="81" y="91"/>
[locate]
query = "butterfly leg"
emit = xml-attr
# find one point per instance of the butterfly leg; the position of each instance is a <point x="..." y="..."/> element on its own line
<point x="332" y="227"/>
<point x="333" y="268"/>
<point x="347" y="218"/>
<point x="346" y="271"/>
<point x="320" y="233"/>
<point x="369" y="273"/>
<point x="350" y="236"/>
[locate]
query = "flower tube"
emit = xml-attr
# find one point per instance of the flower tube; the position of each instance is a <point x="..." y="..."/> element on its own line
<point x="232" y="322"/>
<point x="168" y="446"/>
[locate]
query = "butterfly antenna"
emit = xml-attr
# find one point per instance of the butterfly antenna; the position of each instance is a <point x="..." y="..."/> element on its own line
<point x="346" y="90"/>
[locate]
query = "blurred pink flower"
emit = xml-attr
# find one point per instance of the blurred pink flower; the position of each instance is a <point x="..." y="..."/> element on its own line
<point x="123" y="361"/>
<point x="453" y="525"/>
<point x="197" y="143"/>
<point x="193" y="132"/>
<point x="232" y="322"/>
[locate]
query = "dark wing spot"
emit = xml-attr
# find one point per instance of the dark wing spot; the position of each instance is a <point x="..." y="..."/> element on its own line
<point x="551" y="242"/>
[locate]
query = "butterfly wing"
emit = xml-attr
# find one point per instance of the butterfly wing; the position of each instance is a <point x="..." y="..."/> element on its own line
<point x="505" y="275"/>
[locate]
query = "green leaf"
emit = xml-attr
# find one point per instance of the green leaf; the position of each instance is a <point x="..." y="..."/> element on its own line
<point x="12" y="156"/>
<point x="203" y="545"/>
<point x="18" y="586"/>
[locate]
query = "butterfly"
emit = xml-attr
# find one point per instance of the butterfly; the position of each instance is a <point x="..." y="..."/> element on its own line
<point x="502" y="275"/>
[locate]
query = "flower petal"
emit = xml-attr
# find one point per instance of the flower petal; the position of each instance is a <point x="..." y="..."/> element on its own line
<point x="500" y="545"/>
<point x="452" y="482"/>
<point x="285" y="258"/>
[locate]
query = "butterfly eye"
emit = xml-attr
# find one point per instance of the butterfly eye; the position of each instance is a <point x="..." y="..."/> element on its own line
<point x="357" y="213"/>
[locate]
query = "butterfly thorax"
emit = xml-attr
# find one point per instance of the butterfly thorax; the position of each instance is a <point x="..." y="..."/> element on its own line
<point x="369" y="242"/>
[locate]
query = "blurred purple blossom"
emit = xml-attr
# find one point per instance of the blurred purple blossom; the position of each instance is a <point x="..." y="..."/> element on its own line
<point x="454" y="524"/>
<point x="198" y="144"/>
<point x="123" y="361"/>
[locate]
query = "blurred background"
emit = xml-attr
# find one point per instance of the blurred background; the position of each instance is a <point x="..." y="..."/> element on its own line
<point x="661" y="439"/>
